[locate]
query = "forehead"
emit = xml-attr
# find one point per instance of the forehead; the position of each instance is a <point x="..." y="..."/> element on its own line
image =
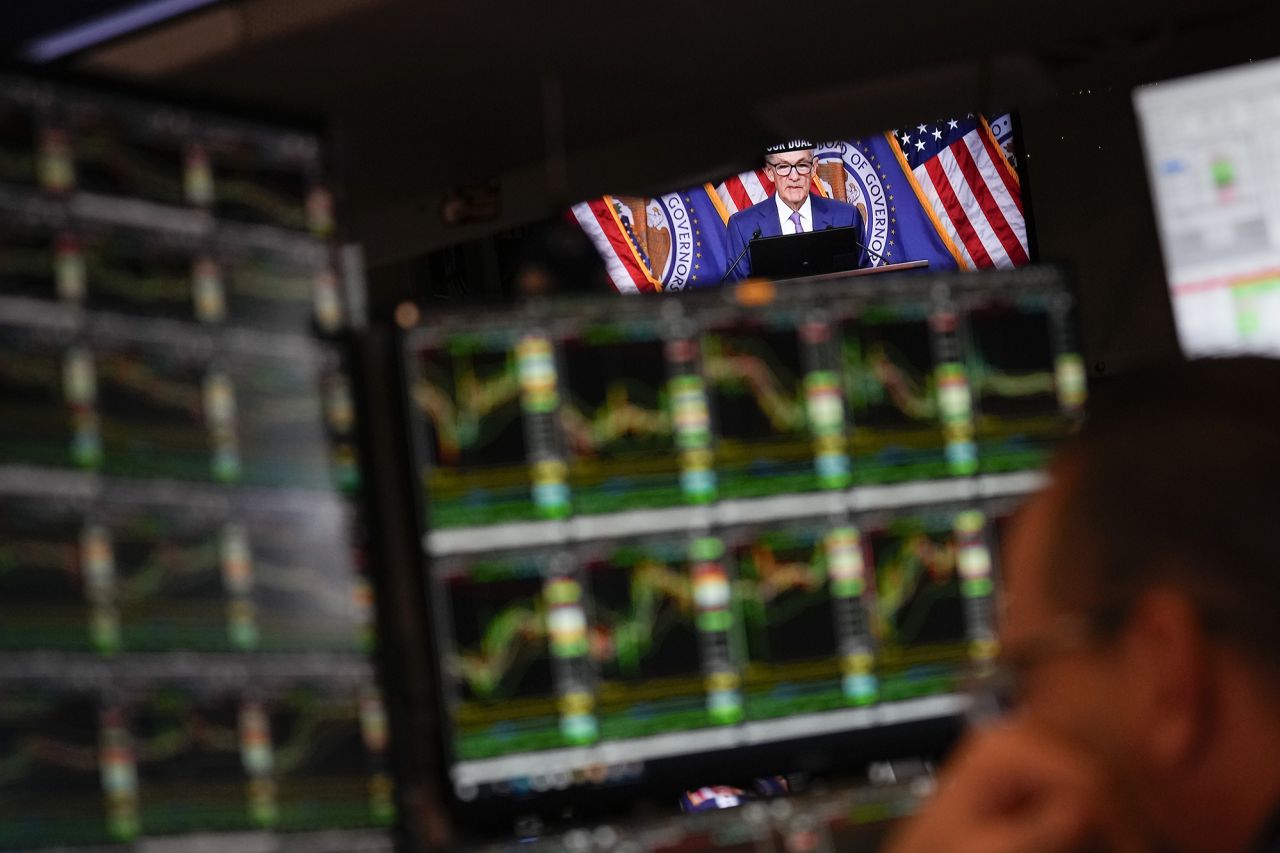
<point x="1029" y="559"/>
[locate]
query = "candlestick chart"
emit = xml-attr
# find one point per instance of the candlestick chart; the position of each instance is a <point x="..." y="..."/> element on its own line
<point x="891" y="394"/>
<point x="498" y="659"/>
<point x="307" y="591"/>
<point x="269" y="289"/>
<point x="468" y="399"/>
<point x="783" y="593"/>
<point x="791" y="647"/>
<point x="280" y="423"/>
<point x="252" y="187"/>
<point x="137" y="273"/>
<point x="616" y="419"/>
<point x="49" y="778"/>
<point x="643" y="637"/>
<point x="42" y="600"/>
<point x="115" y="158"/>
<point x="755" y="380"/>
<point x="153" y="416"/>
<point x="186" y="748"/>
<point x="323" y="771"/>
<point x="919" y="616"/>
<point x="27" y="261"/>
<point x="1011" y="369"/>
<point x="169" y="585"/>
<point x="37" y="424"/>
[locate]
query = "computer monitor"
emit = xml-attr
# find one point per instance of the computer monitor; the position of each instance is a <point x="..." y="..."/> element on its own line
<point x="704" y="532"/>
<point x="808" y="253"/>
<point x="1212" y="153"/>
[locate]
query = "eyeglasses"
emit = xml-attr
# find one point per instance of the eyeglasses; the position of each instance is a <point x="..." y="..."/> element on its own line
<point x="783" y="169"/>
<point x="1002" y="688"/>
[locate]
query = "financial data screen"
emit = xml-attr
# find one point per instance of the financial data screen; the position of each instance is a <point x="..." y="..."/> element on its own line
<point x="720" y="523"/>
<point x="1212" y="150"/>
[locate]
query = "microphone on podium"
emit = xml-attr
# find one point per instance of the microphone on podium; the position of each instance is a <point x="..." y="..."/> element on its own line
<point x="874" y="255"/>
<point x="741" y="255"/>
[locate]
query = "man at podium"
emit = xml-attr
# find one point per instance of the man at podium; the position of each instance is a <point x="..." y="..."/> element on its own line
<point x="793" y="209"/>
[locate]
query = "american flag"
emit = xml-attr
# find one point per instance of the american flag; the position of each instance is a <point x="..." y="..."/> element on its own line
<point x="974" y="194"/>
<point x="743" y="190"/>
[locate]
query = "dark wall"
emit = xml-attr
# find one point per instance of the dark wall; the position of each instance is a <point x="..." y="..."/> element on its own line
<point x="1087" y="184"/>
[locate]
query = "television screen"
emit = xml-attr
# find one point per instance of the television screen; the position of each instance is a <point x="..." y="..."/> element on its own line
<point x="946" y="191"/>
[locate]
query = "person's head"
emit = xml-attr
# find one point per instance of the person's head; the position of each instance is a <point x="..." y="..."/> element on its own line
<point x="790" y="166"/>
<point x="1144" y="583"/>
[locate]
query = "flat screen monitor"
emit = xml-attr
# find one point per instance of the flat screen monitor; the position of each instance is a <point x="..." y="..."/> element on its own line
<point x="1212" y="154"/>
<point x="808" y="253"/>
<point x="722" y="526"/>
<point x="946" y="190"/>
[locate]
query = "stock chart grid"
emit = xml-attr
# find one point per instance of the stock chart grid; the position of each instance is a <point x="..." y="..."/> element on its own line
<point x="723" y="521"/>
<point x="186" y="609"/>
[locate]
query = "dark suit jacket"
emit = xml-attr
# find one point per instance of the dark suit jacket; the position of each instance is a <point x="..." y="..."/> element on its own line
<point x="764" y="216"/>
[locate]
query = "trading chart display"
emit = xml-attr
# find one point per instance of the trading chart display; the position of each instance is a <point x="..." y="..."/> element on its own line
<point x="47" y="382"/>
<point x="50" y="788"/>
<point x="168" y="581"/>
<point x="290" y="579"/>
<point x="782" y="591"/>
<point x="39" y="262"/>
<point x="186" y="612"/>
<point x="294" y="422"/>
<point x="165" y="413"/>
<point x="617" y="417"/>
<point x="891" y="388"/>
<point x="44" y="601"/>
<point x="113" y="156"/>
<point x="466" y="389"/>
<point x="291" y="289"/>
<point x="500" y="669"/>
<point x="134" y="271"/>
<point x="1027" y="380"/>
<point x="190" y="761"/>
<point x="748" y="516"/>
<point x="264" y="182"/>
<point x="928" y="566"/>
<point x="644" y="637"/>
<point x="769" y="397"/>
<point x="328" y="762"/>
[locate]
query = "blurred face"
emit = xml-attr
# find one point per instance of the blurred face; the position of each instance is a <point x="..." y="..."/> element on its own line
<point x="1070" y="677"/>
<point x="793" y="187"/>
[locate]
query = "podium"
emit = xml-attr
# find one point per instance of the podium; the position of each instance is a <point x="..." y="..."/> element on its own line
<point x="904" y="266"/>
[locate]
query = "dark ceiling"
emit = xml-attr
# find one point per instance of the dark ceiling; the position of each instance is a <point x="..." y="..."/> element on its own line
<point x="28" y="20"/>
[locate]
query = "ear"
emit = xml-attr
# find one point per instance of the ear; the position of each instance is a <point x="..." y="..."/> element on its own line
<point x="1167" y="658"/>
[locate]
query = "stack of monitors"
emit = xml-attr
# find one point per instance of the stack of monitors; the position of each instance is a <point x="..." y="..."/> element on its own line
<point x="185" y="611"/>
<point x="725" y="521"/>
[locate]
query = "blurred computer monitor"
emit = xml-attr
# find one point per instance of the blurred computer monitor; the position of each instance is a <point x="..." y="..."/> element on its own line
<point x="1213" y="159"/>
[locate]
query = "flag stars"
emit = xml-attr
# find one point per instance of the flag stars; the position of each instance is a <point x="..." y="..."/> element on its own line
<point x="906" y="139"/>
<point x="937" y="134"/>
<point x="952" y="124"/>
<point x="921" y="128"/>
<point x="919" y="146"/>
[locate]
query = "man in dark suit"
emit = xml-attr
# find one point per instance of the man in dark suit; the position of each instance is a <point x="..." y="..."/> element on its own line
<point x="793" y="209"/>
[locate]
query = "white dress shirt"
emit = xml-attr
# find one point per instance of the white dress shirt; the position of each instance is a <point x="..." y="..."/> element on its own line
<point x="784" y="215"/>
